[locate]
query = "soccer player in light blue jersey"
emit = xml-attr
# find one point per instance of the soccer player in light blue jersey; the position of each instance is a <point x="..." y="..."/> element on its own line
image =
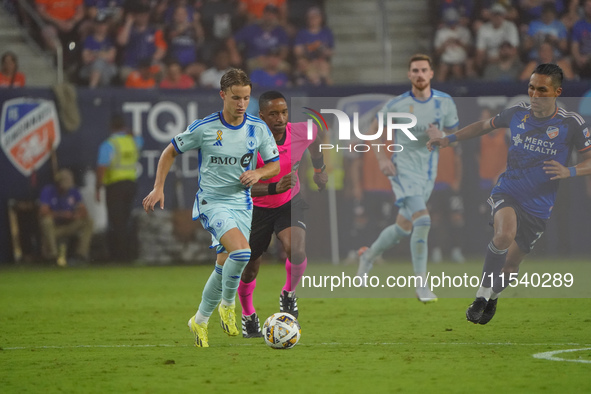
<point x="412" y="171"/>
<point x="542" y="138"/>
<point x="228" y="143"/>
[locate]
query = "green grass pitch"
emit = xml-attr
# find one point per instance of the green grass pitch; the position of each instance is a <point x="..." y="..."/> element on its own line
<point x="124" y="330"/>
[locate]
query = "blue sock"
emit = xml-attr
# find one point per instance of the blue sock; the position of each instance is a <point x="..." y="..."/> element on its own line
<point x="231" y="273"/>
<point x="212" y="292"/>
<point x="389" y="237"/>
<point x="418" y="244"/>
<point x="493" y="264"/>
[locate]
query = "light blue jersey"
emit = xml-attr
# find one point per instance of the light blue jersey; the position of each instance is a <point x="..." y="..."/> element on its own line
<point x="416" y="167"/>
<point x="225" y="152"/>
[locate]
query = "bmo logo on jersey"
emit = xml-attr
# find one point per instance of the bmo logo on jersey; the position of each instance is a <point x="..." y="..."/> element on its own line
<point x="246" y="160"/>
<point x="230" y="161"/>
<point x="224" y="161"/>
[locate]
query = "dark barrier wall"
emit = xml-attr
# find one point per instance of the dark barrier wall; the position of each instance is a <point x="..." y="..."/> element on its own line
<point x="158" y="115"/>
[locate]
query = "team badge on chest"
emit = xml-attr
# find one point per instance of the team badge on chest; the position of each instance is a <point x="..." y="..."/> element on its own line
<point x="552" y="132"/>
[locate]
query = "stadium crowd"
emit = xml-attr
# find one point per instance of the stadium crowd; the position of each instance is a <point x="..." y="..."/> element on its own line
<point x="505" y="40"/>
<point x="182" y="44"/>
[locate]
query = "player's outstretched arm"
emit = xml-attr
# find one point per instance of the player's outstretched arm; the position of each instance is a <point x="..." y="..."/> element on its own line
<point x="473" y="130"/>
<point x="558" y="171"/>
<point x="157" y="194"/>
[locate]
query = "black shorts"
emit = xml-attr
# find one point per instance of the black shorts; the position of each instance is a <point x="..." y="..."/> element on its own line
<point x="529" y="227"/>
<point x="266" y="221"/>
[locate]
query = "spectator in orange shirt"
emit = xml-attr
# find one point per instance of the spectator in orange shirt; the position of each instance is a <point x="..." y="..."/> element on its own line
<point x="175" y="78"/>
<point x="10" y="77"/>
<point x="253" y="9"/>
<point x="143" y="77"/>
<point x="62" y="19"/>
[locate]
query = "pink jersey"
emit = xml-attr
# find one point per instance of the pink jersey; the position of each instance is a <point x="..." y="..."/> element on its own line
<point x="291" y="151"/>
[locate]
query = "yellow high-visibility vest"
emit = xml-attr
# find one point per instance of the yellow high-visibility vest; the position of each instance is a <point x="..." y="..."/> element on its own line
<point x="124" y="162"/>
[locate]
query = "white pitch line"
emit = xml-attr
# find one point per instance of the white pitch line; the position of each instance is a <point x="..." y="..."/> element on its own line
<point x="551" y="355"/>
<point x="325" y="344"/>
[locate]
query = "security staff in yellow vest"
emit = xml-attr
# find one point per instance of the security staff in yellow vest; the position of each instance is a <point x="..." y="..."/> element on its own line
<point x="116" y="170"/>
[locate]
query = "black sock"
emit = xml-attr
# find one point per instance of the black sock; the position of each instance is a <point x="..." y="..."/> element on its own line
<point x="493" y="264"/>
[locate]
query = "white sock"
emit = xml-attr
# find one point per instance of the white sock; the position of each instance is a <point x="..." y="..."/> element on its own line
<point x="201" y="318"/>
<point x="494" y="295"/>
<point x="227" y="303"/>
<point x="484" y="292"/>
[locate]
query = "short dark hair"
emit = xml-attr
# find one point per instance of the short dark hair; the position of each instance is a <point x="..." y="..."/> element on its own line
<point x="269" y="96"/>
<point x="420" y="56"/>
<point x="551" y="70"/>
<point x="234" y="76"/>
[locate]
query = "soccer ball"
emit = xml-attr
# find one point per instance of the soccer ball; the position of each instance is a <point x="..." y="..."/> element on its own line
<point x="281" y="331"/>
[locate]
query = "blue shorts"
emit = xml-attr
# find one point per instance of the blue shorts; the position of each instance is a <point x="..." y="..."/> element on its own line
<point x="218" y="219"/>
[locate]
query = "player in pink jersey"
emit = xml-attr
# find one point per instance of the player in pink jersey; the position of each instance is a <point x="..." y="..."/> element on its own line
<point x="279" y="209"/>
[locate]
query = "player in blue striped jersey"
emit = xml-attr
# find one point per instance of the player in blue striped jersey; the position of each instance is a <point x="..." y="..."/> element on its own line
<point x="542" y="138"/>
<point x="412" y="171"/>
<point x="228" y="143"/>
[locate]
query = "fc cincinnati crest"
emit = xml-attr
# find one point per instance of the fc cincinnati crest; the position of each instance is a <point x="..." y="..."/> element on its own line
<point x="251" y="142"/>
<point x="29" y="130"/>
<point x="552" y="132"/>
<point x="586" y="132"/>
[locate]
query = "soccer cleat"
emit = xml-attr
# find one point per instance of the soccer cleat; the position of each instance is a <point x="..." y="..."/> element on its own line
<point x="425" y="295"/>
<point x="457" y="256"/>
<point x="200" y="332"/>
<point x="489" y="311"/>
<point x="61" y="259"/>
<point x="476" y="309"/>
<point x="251" y="327"/>
<point x="365" y="264"/>
<point x="288" y="303"/>
<point x="228" y="320"/>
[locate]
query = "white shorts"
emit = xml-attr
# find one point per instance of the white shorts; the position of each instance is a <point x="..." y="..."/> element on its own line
<point x="218" y="219"/>
<point x="405" y="185"/>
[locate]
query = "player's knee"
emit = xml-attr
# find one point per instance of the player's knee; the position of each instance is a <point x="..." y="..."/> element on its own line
<point x="502" y="239"/>
<point x="297" y="256"/>
<point x="249" y="274"/>
<point x="422" y="221"/>
<point x="241" y="255"/>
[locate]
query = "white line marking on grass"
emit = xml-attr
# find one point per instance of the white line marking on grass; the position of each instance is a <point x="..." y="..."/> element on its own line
<point x="551" y="355"/>
<point x="538" y="355"/>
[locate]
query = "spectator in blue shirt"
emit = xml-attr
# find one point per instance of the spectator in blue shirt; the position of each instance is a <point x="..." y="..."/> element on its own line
<point x="98" y="55"/>
<point x="546" y="29"/>
<point x="63" y="216"/>
<point x="314" y="46"/>
<point x="270" y="76"/>
<point x="250" y="44"/>
<point x="581" y="42"/>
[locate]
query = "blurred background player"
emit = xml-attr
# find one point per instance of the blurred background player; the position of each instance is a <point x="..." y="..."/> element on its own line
<point x="542" y="137"/>
<point x="117" y="171"/>
<point x="447" y="208"/>
<point x="279" y="209"/>
<point x="412" y="172"/>
<point x="228" y="142"/>
<point x="63" y="216"/>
